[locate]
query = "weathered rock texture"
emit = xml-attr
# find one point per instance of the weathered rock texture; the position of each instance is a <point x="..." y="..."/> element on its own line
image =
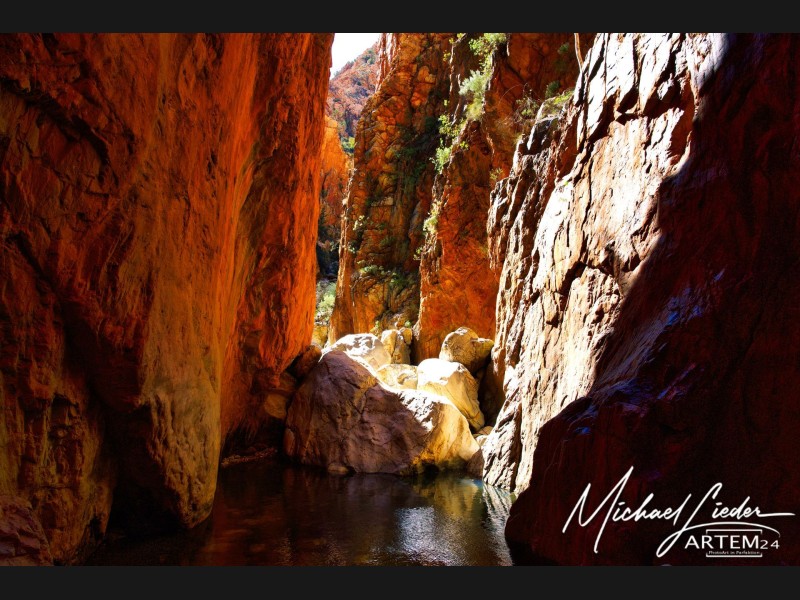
<point x="342" y="418"/>
<point x="649" y="294"/>
<point x="454" y="382"/>
<point x="390" y="190"/>
<point x="336" y="166"/>
<point x="349" y="90"/>
<point x="363" y="347"/>
<point x="158" y="215"/>
<point x="398" y="376"/>
<point x="464" y="346"/>
<point x="393" y="184"/>
<point x="22" y="540"/>
<point x="458" y="287"/>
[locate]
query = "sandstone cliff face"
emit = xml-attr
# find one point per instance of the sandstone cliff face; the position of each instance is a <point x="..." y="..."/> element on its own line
<point x="390" y="189"/>
<point x="648" y="276"/>
<point x="336" y="166"/>
<point x="349" y="90"/>
<point x="158" y="213"/>
<point x="458" y="287"/>
<point x="381" y="279"/>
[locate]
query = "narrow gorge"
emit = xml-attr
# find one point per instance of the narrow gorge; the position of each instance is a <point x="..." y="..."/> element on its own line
<point x="465" y="301"/>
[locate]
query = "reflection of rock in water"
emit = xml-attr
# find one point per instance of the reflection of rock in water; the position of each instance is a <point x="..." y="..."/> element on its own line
<point x="272" y="514"/>
<point x="498" y="503"/>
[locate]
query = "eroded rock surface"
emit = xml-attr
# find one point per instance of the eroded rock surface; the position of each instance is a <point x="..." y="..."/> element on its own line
<point x="158" y="213"/>
<point x="342" y="418"/>
<point x="454" y="382"/>
<point x="464" y="346"/>
<point x="363" y="347"/>
<point x="647" y="248"/>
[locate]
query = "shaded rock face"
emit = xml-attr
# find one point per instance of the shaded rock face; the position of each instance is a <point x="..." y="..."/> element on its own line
<point x="390" y="189"/>
<point x="158" y="214"/>
<point x="22" y="539"/>
<point x="648" y="277"/>
<point x="343" y="419"/>
<point x="458" y="286"/>
<point x="336" y="167"/>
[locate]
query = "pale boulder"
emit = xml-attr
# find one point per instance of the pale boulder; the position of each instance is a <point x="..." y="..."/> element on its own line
<point x="342" y="418"/>
<point x="453" y="381"/>
<point x="464" y="346"/>
<point x="389" y="339"/>
<point x="364" y="347"/>
<point x="395" y="343"/>
<point x="399" y="376"/>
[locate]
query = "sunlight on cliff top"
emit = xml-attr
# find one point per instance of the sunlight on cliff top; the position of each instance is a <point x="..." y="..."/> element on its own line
<point x="347" y="46"/>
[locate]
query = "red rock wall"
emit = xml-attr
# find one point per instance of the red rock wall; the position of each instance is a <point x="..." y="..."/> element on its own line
<point x="458" y="287"/>
<point x="390" y="189"/>
<point x="335" y="174"/>
<point x="649" y="292"/>
<point x="349" y="90"/>
<point x="158" y="212"/>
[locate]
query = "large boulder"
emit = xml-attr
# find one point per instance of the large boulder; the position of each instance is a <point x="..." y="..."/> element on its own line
<point x="399" y="376"/>
<point x="342" y="417"/>
<point x="394" y="341"/>
<point x="453" y="381"/>
<point x="364" y="347"/>
<point x="305" y="361"/>
<point x="464" y="346"/>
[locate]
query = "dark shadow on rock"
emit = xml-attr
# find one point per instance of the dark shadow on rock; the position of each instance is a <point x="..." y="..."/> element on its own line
<point x="699" y="379"/>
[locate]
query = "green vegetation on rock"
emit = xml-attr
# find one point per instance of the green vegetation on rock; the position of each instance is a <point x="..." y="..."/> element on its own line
<point x="326" y="294"/>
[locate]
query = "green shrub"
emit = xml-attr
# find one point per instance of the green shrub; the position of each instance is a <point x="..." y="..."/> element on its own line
<point x="349" y="145"/>
<point x="552" y="89"/>
<point x="495" y="175"/>
<point x="372" y="271"/>
<point x="432" y="220"/>
<point x="449" y="131"/>
<point x="399" y="280"/>
<point x="326" y="295"/>
<point x="442" y="157"/>
<point x="474" y="86"/>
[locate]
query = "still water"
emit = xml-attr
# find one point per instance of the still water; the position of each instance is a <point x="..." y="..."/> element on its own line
<point x="278" y="514"/>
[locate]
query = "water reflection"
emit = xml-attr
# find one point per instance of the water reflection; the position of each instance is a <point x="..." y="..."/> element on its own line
<point x="275" y="514"/>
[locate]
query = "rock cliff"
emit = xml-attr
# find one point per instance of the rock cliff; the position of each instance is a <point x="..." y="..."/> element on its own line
<point x="158" y="215"/>
<point x="397" y="214"/>
<point x="349" y="90"/>
<point x="458" y="287"/>
<point x="390" y="189"/>
<point x="647" y="247"/>
<point x="336" y="166"/>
